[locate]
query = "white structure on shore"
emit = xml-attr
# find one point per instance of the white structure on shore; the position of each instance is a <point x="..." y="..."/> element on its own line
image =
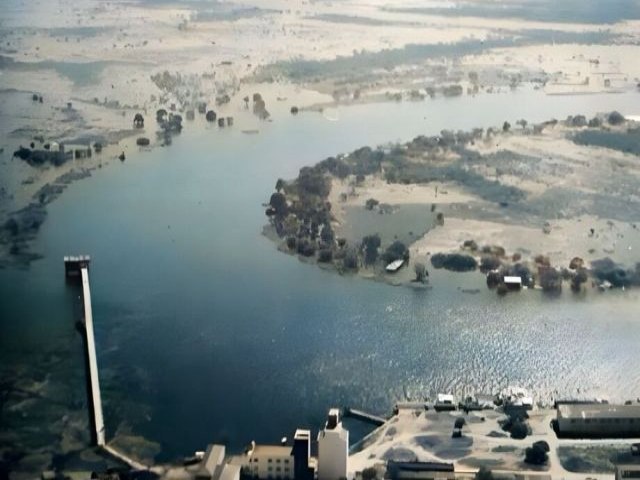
<point x="333" y="448"/>
<point x="214" y="467"/>
<point x="269" y="461"/>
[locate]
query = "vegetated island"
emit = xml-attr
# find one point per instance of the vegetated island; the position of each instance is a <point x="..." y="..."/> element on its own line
<point x="554" y="203"/>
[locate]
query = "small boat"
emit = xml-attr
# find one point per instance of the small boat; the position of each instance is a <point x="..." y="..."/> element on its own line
<point x="394" y="266"/>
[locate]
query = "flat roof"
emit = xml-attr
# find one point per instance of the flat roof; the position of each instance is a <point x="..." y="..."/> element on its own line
<point x="272" y="450"/>
<point x="512" y="279"/>
<point x="598" y="410"/>
<point x="213" y="458"/>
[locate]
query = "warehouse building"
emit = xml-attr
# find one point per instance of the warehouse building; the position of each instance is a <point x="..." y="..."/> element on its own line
<point x="598" y="420"/>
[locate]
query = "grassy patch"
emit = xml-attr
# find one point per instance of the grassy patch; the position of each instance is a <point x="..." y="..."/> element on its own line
<point x="595" y="459"/>
<point x="627" y="142"/>
<point x="407" y="223"/>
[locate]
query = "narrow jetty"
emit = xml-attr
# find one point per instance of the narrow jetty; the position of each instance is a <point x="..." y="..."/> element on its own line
<point x="77" y="268"/>
<point x="364" y="416"/>
<point x="123" y="458"/>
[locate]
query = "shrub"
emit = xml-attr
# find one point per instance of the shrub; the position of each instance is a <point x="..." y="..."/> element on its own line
<point x="519" y="430"/>
<point x="550" y="279"/>
<point x="325" y="255"/>
<point x="488" y="263"/>
<point x="536" y="454"/>
<point x="350" y="260"/>
<point x="369" y="473"/>
<point x="371" y="204"/>
<point x="615" y="118"/>
<point x="456" y="262"/>
<point x="369" y="247"/>
<point x="396" y="251"/>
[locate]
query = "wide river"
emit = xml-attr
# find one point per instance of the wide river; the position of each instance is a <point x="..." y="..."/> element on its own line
<point x="205" y="332"/>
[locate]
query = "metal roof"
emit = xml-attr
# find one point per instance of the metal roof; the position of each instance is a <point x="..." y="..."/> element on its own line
<point x="598" y="410"/>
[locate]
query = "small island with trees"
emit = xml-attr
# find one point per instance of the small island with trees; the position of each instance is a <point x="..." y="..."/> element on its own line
<point x="554" y="204"/>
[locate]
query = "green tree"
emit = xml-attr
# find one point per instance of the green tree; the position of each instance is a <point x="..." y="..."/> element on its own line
<point x="371" y="204"/>
<point x="369" y="473"/>
<point x="615" y="118"/>
<point x="350" y="260"/>
<point x="161" y="115"/>
<point x="327" y="235"/>
<point x="279" y="204"/>
<point x="396" y="251"/>
<point x="484" y="474"/>
<point x="370" y="246"/>
<point x="536" y="454"/>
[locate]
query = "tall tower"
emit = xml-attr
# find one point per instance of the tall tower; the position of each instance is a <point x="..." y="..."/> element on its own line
<point x="301" y="452"/>
<point x="333" y="448"/>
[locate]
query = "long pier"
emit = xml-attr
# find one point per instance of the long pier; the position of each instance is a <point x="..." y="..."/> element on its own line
<point x="77" y="267"/>
<point x="364" y="416"/>
<point x="96" y="398"/>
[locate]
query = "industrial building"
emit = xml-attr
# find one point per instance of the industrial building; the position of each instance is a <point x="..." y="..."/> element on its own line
<point x="598" y="420"/>
<point x="288" y="462"/>
<point x="333" y="448"/>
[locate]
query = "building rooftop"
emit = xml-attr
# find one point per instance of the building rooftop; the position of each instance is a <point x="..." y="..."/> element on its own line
<point x="229" y="472"/>
<point x="302" y="434"/>
<point x="445" y="398"/>
<point x="272" y="450"/>
<point x="212" y="459"/>
<point x="598" y="410"/>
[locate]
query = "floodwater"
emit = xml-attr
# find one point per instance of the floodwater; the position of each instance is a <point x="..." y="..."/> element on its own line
<point x="205" y="332"/>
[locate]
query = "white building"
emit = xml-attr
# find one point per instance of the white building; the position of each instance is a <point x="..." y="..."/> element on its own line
<point x="213" y="466"/>
<point x="269" y="462"/>
<point x="333" y="448"/>
<point x="598" y="420"/>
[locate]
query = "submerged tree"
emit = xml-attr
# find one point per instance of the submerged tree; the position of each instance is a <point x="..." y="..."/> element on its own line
<point x="396" y="251"/>
<point x="615" y="118"/>
<point x="138" y="121"/>
<point x="279" y="204"/>
<point x="421" y="272"/>
<point x="370" y="246"/>
<point x="161" y="115"/>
